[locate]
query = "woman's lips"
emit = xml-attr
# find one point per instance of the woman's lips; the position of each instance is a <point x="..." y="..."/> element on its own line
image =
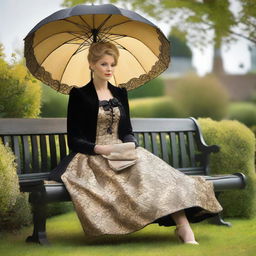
<point x="107" y="74"/>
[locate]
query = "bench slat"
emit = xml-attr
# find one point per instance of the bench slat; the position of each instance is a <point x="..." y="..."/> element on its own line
<point x="191" y="149"/>
<point x="5" y="140"/>
<point x="53" y="151"/>
<point x="175" y="159"/>
<point x="147" y="141"/>
<point x="183" y="151"/>
<point x="37" y="126"/>
<point x="35" y="154"/>
<point x="192" y="170"/>
<point x="62" y="144"/>
<point x="162" y="124"/>
<point x="163" y="137"/>
<point x="136" y="135"/>
<point x="154" y="143"/>
<point x="26" y="154"/>
<point x="16" y="150"/>
<point x="43" y="151"/>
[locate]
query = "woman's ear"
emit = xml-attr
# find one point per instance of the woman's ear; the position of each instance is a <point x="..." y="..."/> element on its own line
<point x="91" y="67"/>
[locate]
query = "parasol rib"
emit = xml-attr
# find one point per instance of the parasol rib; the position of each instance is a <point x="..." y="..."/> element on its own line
<point x="118" y="24"/>
<point x="76" y="34"/>
<point x="134" y="58"/>
<point x="84" y="21"/>
<point x="77" y="24"/>
<point x="56" y="49"/>
<point x="104" y="22"/>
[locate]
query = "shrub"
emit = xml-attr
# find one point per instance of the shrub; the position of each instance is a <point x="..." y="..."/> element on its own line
<point x="201" y="96"/>
<point x="14" y="207"/>
<point x="18" y="216"/>
<point x="9" y="186"/>
<point x="153" y="88"/>
<point x="54" y="104"/>
<point x="252" y="98"/>
<point x="154" y="107"/>
<point x="237" y="144"/>
<point x="59" y="208"/>
<point x="20" y="94"/>
<point x="244" y="112"/>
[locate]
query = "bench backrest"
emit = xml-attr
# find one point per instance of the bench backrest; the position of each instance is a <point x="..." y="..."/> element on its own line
<point x="39" y="144"/>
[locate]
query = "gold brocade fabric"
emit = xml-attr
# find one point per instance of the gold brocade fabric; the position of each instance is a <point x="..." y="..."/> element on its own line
<point x="107" y="202"/>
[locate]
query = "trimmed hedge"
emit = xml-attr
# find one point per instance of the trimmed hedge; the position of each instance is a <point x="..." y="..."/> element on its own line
<point x="201" y="96"/>
<point x="237" y="151"/>
<point x="154" y="107"/>
<point x="245" y="112"/>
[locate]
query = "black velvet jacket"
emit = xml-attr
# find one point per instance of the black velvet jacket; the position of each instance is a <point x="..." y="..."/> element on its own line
<point x="82" y="116"/>
<point x="83" y="107"/>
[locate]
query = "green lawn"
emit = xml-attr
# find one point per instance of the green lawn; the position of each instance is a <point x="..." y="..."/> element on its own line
<point x="67" y="238"/>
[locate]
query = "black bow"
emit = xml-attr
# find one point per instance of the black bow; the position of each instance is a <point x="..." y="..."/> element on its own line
<point x="108" y="106"/>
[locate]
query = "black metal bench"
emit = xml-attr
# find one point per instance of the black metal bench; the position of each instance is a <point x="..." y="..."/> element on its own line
<point x="39" y="144"/>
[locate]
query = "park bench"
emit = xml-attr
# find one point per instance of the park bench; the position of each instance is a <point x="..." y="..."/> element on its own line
<point x="39" y="144"/>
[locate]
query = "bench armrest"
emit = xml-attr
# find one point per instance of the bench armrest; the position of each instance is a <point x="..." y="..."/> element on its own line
<point x="227" y="181"/>
<point x="201" y="142"/>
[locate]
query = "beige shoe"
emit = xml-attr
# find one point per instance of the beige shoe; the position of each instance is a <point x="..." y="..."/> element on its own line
<point x="178" y="235"/>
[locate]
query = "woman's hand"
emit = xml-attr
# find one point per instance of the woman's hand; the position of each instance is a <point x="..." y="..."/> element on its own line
<point x="103" y="149"/>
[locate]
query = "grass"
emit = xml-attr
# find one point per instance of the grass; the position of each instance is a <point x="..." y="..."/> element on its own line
<point x="67" y="238"/>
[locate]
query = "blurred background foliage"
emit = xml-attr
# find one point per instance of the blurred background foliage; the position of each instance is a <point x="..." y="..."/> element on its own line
<point x="155" y="107"/>
<point x="54" y="104"/>
<point x="153" y="88"/>
<point x="20" y="93"/>
<point x="200" y="96"/>
<point x="244" y="112"/>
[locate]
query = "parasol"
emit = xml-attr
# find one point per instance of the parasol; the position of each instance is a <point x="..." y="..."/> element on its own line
<point x="56" y="48"/>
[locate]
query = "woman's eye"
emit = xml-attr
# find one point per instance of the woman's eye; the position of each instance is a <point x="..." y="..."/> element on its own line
<point x="105" y="64"/>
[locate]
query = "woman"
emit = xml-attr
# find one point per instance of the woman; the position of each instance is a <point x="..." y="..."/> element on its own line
<point x="150" y="191"/>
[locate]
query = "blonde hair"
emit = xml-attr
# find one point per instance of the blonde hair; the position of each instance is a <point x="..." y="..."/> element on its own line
<point x="98" y="50"/>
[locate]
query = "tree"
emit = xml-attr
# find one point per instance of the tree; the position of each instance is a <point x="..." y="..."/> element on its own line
<point x="179" y="48"/>
<point x="20" y="93"/>
<point x="193" y="19"/>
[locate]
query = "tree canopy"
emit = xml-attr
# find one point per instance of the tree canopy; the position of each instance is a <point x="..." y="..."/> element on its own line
<point x="179" y="48"/>
<point x="198" y="22"/>
<point x="20" y="93"/>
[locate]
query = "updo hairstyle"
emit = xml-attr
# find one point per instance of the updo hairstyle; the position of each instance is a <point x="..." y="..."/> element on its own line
<point x="99" y="49"/>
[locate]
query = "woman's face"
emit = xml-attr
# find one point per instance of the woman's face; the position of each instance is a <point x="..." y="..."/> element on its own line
<point x="104" y="68"/>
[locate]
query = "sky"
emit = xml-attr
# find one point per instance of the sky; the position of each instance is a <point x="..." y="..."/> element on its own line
<point x="18" y="17"/>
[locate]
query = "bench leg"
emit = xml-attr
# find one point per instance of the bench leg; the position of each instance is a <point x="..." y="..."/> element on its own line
<point x="217" y="220"/>
<point x="37" y="199"/>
